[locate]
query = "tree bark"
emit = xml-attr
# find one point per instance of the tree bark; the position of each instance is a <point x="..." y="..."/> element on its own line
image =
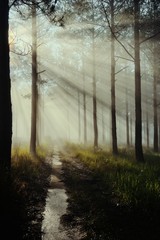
<point x="155" y="75"/>
<point x="5" y="122"/>
<point x="85" y="113"/>
<point x="34" y="83"/>
<point x="138" y="111"/>
<point x="147" y="128"/>
<point x="155" y="138"/>
<point x="5" y="91"/>
<point x="113" y="96"/>
<point x="127" y="120"/>
<point x="131" y="132"/>
<point x="79" y="118"/>
<point x="103" y="126"/>
<point x="94" y="98"/>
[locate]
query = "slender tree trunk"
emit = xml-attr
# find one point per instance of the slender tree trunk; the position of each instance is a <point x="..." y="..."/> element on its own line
<point x="113" y="95"/>
<point x="34" y="83"/>
<point x="79" y="118"/>
<point x="94" y="99"/>
<point x="159" y="131"/>
<point x="5" y="91"/>
<point x="155" y="138"/>
<point x="147" y="128"/>
<point x="138" y="110"/>
<point x="84" y="97"/>
<point x="146" y="107"/>
<point x="131" y="132"/>
<point x="95" y="125"/>
<point x="103" y="126"/>
<point x="127" y="119"/>
<point x="155" y="75"/>
<point x="85" y="113"/>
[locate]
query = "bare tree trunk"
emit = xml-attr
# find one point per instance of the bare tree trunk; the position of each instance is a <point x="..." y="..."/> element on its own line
<point x="155" y="75"/>
<point x="146" y="108"/>
<point x="85" y="113"/>
<point x="5" y="91"/>
<point x="34" y="83"/>
<point x="138" y="110"/>
<point x="103" y="126"/>
<point x="147" y="128"/>
<point x="94" y="98"/>
<point x="131" y="130"/>
<point x="155" y="138"/>
<point x="113" y="96"/>
<point x="84" y="98"/>
<point x="127" y="119"/>
<point x="79" y="118"/>
<point x="159" y="131"/>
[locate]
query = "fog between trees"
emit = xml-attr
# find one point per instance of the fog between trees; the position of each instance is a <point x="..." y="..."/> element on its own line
<point x="75" y="64"/>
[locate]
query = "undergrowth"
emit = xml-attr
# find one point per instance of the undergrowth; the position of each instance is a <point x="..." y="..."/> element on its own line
<point x="29" y="184"/>
<point x="123" y="199"/>
<point x="131" y="182"/>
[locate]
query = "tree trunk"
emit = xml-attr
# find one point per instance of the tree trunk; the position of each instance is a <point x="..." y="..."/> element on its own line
<point x="5" y="91"/>
<point x="34" y="83"/>
<point x="5" y="122"/>
<point x="155" y="138"/>
<point x="127" y="120"/>
<point x="155" y="75"/>
<point x="84" y="108"/>
<point x="138" y="111"/>
<point x="131" y="132"/>
<point x="103" y="126"/>
<point x="79" y="118"/>
<point x="84" y="94"/>
<point x="94" y="99"/>
<point x="147" y="128"/>
<point x="113" y="96"/>
<point x="159" y="131"/>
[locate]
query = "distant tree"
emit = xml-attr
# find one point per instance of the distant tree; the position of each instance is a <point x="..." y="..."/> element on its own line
<point x="79" y="116"/>
<point x="84" y="104"/>
<point x="110" y="9"/>
<point x="127" y="119"/>
<point x="95" y="125"/>
<point x="47" y="7"/>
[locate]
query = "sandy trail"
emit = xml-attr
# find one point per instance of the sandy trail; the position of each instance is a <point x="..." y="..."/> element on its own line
<point x="56" y="204"/>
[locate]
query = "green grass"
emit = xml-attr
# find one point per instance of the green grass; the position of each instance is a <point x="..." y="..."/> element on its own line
<point x="132" y="183"/>
<point x="122" y="200"/>
<point x="29" y="186"/>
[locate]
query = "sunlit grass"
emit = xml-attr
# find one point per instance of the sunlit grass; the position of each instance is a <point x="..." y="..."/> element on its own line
<point x="132" y="184"/>
<point x="29" y="186"/>
<point x="27" y="170"/>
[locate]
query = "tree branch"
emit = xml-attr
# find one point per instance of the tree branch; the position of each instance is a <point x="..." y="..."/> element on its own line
<point x="121" y="70"/>
<point x="12" y="4"/>
<point x="112" y="32"/>
<point x="146" y="39"/>
<point x="125" y="58"/>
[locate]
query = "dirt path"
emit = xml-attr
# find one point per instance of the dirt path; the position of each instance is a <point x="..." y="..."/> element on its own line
<point x="56" y="206"/>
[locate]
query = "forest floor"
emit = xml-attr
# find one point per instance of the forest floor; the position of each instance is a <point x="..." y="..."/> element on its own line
<point x="97" y="214"/>
<point x="92" y="211"/>
<point x="22" y="211"/>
